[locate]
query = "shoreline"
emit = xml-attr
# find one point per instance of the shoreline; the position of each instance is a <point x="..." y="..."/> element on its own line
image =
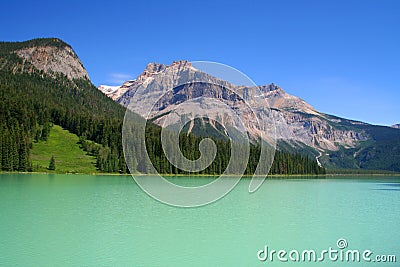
<point x="317" y="176"/>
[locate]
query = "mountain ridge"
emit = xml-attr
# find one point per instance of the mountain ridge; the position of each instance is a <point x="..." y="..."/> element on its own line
<point x="288" y="109"/>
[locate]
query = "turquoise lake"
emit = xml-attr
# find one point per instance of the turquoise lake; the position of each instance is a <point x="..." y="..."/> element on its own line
<point x="82" y="220"/>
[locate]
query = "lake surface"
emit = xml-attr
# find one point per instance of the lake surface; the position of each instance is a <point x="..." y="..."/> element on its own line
<point x="82" y="220"/>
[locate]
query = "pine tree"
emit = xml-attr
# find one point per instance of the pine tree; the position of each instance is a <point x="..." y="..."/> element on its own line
<point x="52" y="164"/>
<point x="6" y="165"/>
<point x="23" y="160"/>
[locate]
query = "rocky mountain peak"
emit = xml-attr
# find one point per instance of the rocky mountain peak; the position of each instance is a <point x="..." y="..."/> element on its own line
<point x="154" y="67"/>
<point x="50" y="55"/>
<point x="269" y="88"/>
<point x="181" y="64"/>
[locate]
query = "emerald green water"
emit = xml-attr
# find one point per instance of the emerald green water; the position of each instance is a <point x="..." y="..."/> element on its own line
<point x="74" y="220"/>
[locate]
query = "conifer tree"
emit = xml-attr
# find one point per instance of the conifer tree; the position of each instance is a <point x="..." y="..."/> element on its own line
<point x="52" y="164"/>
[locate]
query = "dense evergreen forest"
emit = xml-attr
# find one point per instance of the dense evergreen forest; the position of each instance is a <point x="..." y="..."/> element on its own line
<point x="32" y="102"/>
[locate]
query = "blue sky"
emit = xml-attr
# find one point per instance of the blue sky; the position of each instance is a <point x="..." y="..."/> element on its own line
<point x="340" y="56"/>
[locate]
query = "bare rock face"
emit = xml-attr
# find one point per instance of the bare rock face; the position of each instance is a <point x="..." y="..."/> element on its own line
<point x="53" y="59"/>
<point x="279" y="99"/>
<point x="315" y="131"/>
<point x="295" y="121"/>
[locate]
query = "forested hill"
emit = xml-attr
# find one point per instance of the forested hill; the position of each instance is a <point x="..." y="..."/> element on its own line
<point x="43" y="82"/>
<point x="33" y="99"/>
<point x="9" y="47"/>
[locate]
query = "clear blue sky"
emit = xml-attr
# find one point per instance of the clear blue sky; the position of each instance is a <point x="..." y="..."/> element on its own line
<point x="343" y="57"/>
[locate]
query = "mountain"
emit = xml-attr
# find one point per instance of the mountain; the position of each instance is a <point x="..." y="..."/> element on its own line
<point x="397" y="126"/>
<point x="296" y="121"/>
<point x="336" y="142"/>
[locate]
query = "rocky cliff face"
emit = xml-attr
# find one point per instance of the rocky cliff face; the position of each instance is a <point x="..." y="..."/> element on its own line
<point x="295" y="121"/>
<point x="55" y="60"/>
<point x="50" y="55"/>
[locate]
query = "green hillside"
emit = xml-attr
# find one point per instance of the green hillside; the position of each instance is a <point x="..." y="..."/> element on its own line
<point x="68" y="154"/>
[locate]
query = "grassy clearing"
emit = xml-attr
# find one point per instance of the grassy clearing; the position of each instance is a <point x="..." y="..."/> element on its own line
<point x="69" y="157"/>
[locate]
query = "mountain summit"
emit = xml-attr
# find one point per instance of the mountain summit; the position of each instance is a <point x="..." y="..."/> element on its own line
<point x="50" y="55"/>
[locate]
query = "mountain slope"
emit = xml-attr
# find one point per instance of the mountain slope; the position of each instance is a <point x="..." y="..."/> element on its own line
<point x="68" y="154"/>
<point x="337" y="142"/>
